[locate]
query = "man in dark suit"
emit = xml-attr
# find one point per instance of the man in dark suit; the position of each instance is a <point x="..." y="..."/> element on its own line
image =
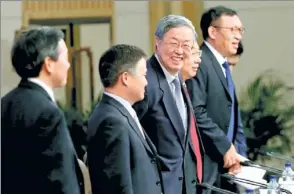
<point x="165" y="111"/>
<point x="37" y="151"/>
<point x="121" y="157"/>
<point x="213" y="95"/>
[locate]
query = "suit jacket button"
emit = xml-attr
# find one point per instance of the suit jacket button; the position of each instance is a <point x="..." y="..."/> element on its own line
<point x="180" y="178"/>
<point x="193" y="181"/>
<point x="158" y="183"/>
<point x="153" y="161"/>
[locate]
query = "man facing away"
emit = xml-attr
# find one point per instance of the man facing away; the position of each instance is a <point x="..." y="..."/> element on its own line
<point x="37" y="152"/>
<point x="121" y="157"/>
<point x="213" y="96"/>
<point x="164" y="112"/>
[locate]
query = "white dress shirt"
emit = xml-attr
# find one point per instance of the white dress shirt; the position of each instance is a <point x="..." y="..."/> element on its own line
<point x="220" y="59"/>
<point x="44" y="86"/>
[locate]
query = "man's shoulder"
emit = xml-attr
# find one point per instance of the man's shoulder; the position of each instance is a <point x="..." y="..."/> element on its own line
<point x="105" y="116"/>
<point x="105" y="111"/>
<point x="29" y="100"/>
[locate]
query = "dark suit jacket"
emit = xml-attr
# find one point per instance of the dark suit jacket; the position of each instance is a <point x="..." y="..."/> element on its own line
<point x="160" y="118"/>
<point x="120" y="160"/>
<point x="212" y="104"/>
<point x="37" y="152"/>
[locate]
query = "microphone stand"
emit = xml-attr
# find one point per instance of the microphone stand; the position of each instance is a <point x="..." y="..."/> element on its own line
<point x="276" y="155"/>
<point x="231" y="177"/>
<point x="213" y="188"/>
<point x="264" y="167"/>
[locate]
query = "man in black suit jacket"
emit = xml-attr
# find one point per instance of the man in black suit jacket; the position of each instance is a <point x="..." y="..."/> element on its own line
<point x="166" y="122"/>
<point x="214" y="101"/>
<point x="121" y="157"/>
<point x="37" y="151"/>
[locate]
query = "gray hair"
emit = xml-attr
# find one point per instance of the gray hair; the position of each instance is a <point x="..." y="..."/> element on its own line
<point x="172" y="21"/>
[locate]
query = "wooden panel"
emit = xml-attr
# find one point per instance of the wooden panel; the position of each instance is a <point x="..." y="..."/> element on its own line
<point x="193" y="11"/>
<point x="176" y="7"/>
<point x="39" y="10"/>
<point x="56" y="6"/>
<point x="157" y="10"/>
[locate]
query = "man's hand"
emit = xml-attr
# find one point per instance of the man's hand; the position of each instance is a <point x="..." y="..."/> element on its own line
<point x="231" y="158"/>
<point x="235" y="169"/>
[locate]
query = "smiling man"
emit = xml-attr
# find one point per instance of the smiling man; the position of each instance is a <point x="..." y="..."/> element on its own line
<point x="191" y="63"/>
<point x="213" y="95"/>
<point x="164" y="113"/>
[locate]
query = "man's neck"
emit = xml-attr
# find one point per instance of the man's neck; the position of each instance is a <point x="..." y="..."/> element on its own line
<point x="42" y="83"/>
<point x="120" y="93"/>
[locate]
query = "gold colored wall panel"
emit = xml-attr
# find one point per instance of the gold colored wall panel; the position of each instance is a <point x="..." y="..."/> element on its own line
<point x="193" y="11"/>
<point x="65" y="9"/>
<point x="157" y="10"/>
<point x="49" y="6"/>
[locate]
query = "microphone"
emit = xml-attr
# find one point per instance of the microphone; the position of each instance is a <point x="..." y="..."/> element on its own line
<point x="213" y="188"/>
<point x="241" y="180"/>
<point x="263" y="167"/>
<point x="275" y="155"/>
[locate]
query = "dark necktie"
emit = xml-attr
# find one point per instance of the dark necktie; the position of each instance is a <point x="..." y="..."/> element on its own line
<point x="195" y="141"/>
<point x="232" y="95"/>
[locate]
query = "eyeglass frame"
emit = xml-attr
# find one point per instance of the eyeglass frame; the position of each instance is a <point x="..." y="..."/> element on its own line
<point x="199" y="53"/>
<point x="177" y="45"/>
<point x="234" y="30"/>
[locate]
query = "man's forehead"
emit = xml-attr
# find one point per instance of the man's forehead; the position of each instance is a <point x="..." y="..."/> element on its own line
<point x="229" y="18"/>
<point x="62" y="46"/>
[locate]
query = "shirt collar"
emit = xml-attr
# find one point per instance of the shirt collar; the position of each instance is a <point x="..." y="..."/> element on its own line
<point x="220" y="59"/>
<point x="170" y="78"/>
<point x="124" y="102"/>
<point x="44" y="86"/>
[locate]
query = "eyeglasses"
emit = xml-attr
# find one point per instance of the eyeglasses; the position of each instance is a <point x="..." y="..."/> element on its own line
<point x="234" y="30"/>
<point x="177" y="45"/>
<point x="198" y="53"/>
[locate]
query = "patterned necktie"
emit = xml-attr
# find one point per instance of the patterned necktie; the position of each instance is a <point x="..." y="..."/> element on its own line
<point x="232" y="95"/>
<point x="180" y="101"/>
<point x="195" y="141"/>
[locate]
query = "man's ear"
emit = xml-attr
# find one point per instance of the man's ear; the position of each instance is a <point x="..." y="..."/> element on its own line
<point x="124" y="78"/>
<point x="157" y="41"/>
<point x="48" y="65"/>
<point x="211" y="32"/>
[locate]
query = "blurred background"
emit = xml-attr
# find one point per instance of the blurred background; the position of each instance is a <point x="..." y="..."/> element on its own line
<point x="264" y="77"/>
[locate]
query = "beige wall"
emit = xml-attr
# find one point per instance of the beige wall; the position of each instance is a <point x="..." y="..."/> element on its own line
<point x="95" y="36"/>
<point x="132" y="23"/>
<point x="10" y="21"/>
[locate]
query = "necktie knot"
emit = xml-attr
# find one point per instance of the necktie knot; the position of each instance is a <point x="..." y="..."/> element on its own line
<point x="226" y="65"/>
<point x="176" y="82"/>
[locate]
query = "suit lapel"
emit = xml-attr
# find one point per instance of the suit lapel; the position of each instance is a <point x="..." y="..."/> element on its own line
<point x="130" y="119"/>
<point x="216" y="67"/>
<point x="135" y="127"/>
<point x="169" y="102"/>
<point x="189" y="110"/>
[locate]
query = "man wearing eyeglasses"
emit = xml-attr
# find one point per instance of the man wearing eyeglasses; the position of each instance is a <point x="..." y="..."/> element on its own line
<point x="165" y="113"/>
<point x="213" y="96"/>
